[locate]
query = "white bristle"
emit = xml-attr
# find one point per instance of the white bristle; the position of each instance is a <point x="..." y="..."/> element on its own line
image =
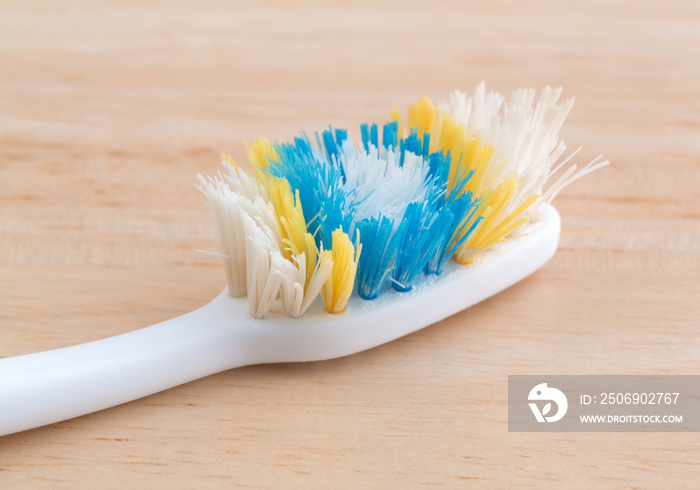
<point x="382" y="184"/>
<point x="571" y="176"/>
<point x="293" y="276"/>
<point x="263" y="282"/>
<point x="292" y="286"/>
<point x="525" y="137"/>
<point x="227" y="206"/>
<point x="252" y="247"/>
<point x="242" y="183"/>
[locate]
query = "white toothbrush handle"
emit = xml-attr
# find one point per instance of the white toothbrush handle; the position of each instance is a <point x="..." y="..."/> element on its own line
<point x="47" y="387"/>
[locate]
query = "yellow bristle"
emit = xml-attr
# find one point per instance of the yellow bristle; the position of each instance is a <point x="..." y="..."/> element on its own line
<point x="291" y="222"/>
<point x="225" y="157"/>
<point x="496" y="225"/>
<point x="467" y="152"/>
<point x="261" y="152"/>
<point x="422" y="116"/>
<point x="290" y="215"/>
<point x="338" y="287"/>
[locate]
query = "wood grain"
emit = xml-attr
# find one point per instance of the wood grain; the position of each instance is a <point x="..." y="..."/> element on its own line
<point x="107" y="112"/>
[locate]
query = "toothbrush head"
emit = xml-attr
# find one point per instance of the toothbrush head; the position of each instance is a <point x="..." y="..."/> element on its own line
<point x="342" y="221"/>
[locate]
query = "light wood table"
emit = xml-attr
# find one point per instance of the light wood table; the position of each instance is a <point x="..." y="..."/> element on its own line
<point x="107" y="113"/>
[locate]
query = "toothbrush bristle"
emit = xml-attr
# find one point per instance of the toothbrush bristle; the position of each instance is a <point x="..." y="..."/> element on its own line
<point x="344" y="257"/>
<point x="331" y="218"/>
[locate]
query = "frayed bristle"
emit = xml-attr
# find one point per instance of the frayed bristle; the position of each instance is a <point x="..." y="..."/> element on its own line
<point x="416" y="244"/>
<point x="263" y="281"/>
<point x="379" y="242"/>
<point x="450" y="181"/>
<point x="299" y="288"/>
<point x="229" y="207"/>
<point x="344" y="257"/>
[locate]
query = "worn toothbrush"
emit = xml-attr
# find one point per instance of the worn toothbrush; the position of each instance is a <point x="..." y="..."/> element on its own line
<point x="393" y="235"/>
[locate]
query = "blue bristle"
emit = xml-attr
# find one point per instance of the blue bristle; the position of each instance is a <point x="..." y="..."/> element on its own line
<point x="329" y="144"/>
<point x="435" y="195"/>
<point x="337" y="211"/>
<point x="441" y="230"/>
<point x="426" y="145"/>
<point x="416" y="245"/>
<point x="378" y="246"/>
<point x="332" y="143"/>
<point x="413" y="143"/>
<point x="460" y="182"/>
<point x="374" y="135"/>
<point x="457" y="213"/>
<point x="340" y="136"/>
<point x="303" y="145"/>
<point x="306" y="172"/>
<point x="439" y="167"/>
<point x="439" y="171"/>
<point x="370" y="136"/>
<point x="421" y="242"/>
<point x="364" y="131"/>
<point x="390" y="134"/>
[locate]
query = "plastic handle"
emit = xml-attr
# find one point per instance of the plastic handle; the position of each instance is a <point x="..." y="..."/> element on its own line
<point x="47" y="387"/>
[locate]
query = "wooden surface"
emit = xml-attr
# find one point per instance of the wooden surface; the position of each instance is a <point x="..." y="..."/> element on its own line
<point x="108" y="111"/>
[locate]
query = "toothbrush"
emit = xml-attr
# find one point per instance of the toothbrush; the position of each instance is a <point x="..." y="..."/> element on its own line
<point x="392" y="236"/>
